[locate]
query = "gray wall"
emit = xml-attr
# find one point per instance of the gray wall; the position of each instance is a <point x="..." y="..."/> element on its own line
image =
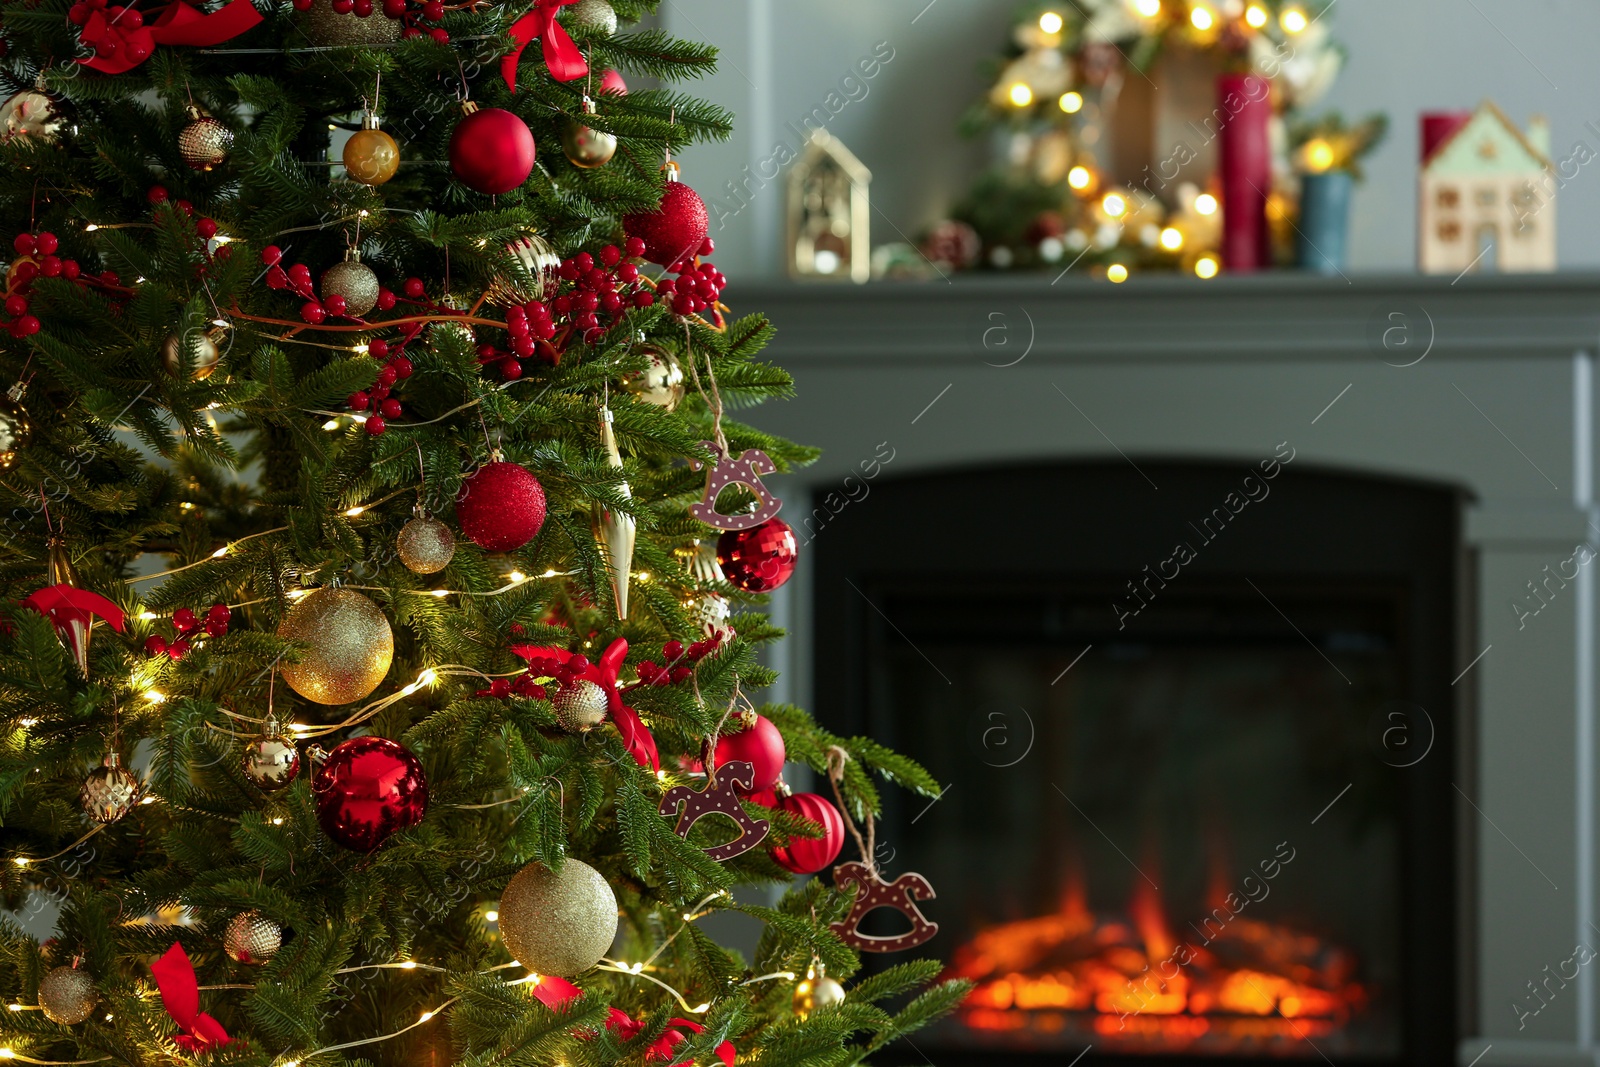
<point x="782" y="59"/>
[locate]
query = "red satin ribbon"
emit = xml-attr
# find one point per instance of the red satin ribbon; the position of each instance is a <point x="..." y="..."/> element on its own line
<point x="561" y="55"/>
<point x="641" y="744"/>
<point x="67" y="604"/>
<point x="554" y="992"/>
<point x="180" y="995"/>
<point x="178" y="23"/>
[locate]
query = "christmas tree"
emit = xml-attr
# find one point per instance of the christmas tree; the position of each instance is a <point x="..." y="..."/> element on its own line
<point x="382" y="572"/>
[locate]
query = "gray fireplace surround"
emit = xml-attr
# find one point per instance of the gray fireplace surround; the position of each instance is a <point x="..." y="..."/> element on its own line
<point x="1485" y="384"/>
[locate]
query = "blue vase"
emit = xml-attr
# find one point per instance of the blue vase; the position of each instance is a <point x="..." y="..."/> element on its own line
<point x="1325" y="221"/>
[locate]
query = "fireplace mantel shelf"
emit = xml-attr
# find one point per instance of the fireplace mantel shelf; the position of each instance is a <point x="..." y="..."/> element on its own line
<point x="1173" y="319"/>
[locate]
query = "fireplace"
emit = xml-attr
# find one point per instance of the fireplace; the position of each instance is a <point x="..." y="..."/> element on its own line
<point x="1198" y="747"/>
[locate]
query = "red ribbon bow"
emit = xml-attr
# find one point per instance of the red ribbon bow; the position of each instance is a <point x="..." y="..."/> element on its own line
<point x="641" y="744"/>
<point x="180" y="995"/>
<point x="561" y="55"/>
<point x="554" y="992"/>
<point x="178" y="23"/>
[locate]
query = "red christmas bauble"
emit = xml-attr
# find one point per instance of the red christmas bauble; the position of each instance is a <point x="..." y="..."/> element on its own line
<point x="759" y="559"/>
<point x="808" y="855"/>
<point x="492" y="150"/>
<point x="501" y="507"/>
<point x="761" y="746"/>
<point x="369" y="788"/>
<point x="674" y="231"/>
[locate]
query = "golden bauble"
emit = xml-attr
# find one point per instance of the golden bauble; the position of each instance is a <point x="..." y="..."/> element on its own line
<point x="558" y="923"/>
<point x="16" y="429"/>
<point x="538" y="263"/>
<point x="815" y="991"/>
<point x="351" y="646"/>
<point x="596" y="15"/>
<point x="326" y="27"/>
<point x="204" y="143"/>
<point x="371" y="156"/>
<point x="30" y="114"/>
<point x="660" y="384"/>
<point x="66" y="995"/>
<point x="580" y="705"/>
<point x="205" y="355"/>
<point x="585" y="146"/>
<point x="426" y="545"/>
<point x="109" y="792"/>
<point x="251" y="937"/>
<point x="353" y="280"/>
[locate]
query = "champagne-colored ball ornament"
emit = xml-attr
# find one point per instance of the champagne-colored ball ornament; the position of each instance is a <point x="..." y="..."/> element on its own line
<point x="558" y="923"/>
<point x="595" y="15"/>
<point x="371" y="156"/>
<point x="66" y="995"/>
<point x="251" y="937"/>
<point x="354" y="281"/>
<point x="661" y="383"/>
<point x="204" y="143"/>
<point x="580" y="705"/>
<point x="271" y="761"/>
<point x="109" y="792"/>
<point x="537" y="276"/>
<point x="351" y="643"/>
<point x="324" y="26"/>
<point x="585" y="146"/>
<point x="16" y="429"/>
<point x="30" y="114"/>
<point x="816" y="990"/>
<point x="205" y="354"/>
<point x="426" y="545"/>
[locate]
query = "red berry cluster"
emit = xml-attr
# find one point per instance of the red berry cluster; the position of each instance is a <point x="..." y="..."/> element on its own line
<point x="399" y="10"/>
<point x="527" y="683"/>
<point x="376" y="397"/>
<point x="38" y="259"/>
<point x="185" y="622"/>
<point x="697" y="286"/>
<point x="675" y="670"/>
<point x="114" y="35"/>
<point x="297" y="279"/>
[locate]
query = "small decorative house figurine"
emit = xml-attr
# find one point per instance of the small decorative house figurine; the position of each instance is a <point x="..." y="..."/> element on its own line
<point x="828" y="221"/>
<point x="1487" y="194"/>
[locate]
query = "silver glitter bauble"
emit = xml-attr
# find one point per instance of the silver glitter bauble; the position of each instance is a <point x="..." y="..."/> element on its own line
<point x="539" y="264"/>
<point x="66" y="995"/>
<point x="204" y="142"/>
<point x="558" y="922"/>
<point x="109" y="791"/>
<point x="661" y="383"/>
<point x="596" y="15"/>
<point x="580" y="705"/>
<point x="271" y="761"/>
<point x="324" y="26"/>
<point x="426" y="545"/>
<point x="354" y="281"/>
<point x="251" y="937"/>
<point x="206" y="355"/>
<point x="30" y="114"/>
<point x="585" y="146"/>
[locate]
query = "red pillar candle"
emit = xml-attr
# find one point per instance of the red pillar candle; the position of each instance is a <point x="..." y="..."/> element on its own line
<point x="1245" y="104"/>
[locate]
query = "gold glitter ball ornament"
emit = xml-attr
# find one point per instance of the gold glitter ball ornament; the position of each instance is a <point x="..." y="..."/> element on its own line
<point x="661" y="383"/>
<point x="585" y="146"/>
<point x="558" y="922"/>
<point x="30" y="114"/>
<point x="351" y="643"/>
<point x="16" y="429"/>
<point x="580" y="705"/>
<point x="206" y="354"/>
<point x="816" y="990"/>
<point x="66" y="995"/>
<point x="204" y="142"/>
<point x="326" y="27"/>
<point x="426" y="545"/>
<point x="354" y="281"/>
<point x="251" y="937"/>
<point x="371" y="156"/>
<point x="596" y="15"/>
<point x="109" y="792"/>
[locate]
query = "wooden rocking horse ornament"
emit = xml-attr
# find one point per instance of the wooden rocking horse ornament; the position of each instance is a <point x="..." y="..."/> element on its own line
<point x="744" y="469"/>
<point x="718" y="796"/>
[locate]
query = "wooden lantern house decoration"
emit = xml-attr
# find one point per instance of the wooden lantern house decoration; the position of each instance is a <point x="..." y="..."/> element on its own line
<point x="829" y="232"/>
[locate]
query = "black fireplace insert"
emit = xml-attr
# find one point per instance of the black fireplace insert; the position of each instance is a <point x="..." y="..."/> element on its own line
<point x="1197" y="733"/>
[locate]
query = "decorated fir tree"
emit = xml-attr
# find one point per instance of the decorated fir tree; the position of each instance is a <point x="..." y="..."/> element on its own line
<point x="381" y="569"/>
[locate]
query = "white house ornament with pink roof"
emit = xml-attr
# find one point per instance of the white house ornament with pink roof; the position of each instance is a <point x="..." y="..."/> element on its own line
<point x="1487" y="196"/>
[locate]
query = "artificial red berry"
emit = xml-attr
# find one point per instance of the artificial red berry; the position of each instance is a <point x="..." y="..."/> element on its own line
<point x="335" y="304"/>
<point x="628" y="272"/>
<point x="342" y="7"/>
<point x="16" y="305"/>
<point x="312" y="312"/>
<point x="580" y="663"/>
<point x="610" y="255"/>
<point x="643" y="300"/>
<point x="682" y="304"/>
<point x="107" y="277"/>
<point x="379" y="391"/>
<point x="391" y="409"/>
<point x="184" y="620"/>
<point x="276" y="278"/>
<point x="50" y="267"/>
<point x="402" y="367"/>
<point x="216" y="627"/>
<point x="155" y="645"/>
<point x="157" y="194"/>
<point x="509" y="369"/>
<point x="206" y="228"/>
<point x="24" y="244"/>
<point x="219" y="611"/>
<point x="46" y="243"/>
<point x="562" y="304"/>
<point x="358" y="401"/>
<point x="362" y="9"/>
<point x="376" y="425"/>
<point x="179" y="648"/>
<point x="680" y="674"/>
<point x="666" y="287"/>
<point x="410" y="32"/>
<point x="271" y="255"/>
<point x="394" y="8"/>
<point x="672" y="650"/>
<point x="415" y="288"/>
<point x="586" y="301"/>
<point x="78" y="13"/>
<point x="70" y="269"/>
<point x="440" y="34"/>
<point x="26" y="326"/>
<point x="433" y="10"/>
<point x="707" y="247"/>
<point x="378" y="348"/>
<point x="610" y="303"/>
<point x="522" y="347"/>
<point x="584" y="262"/>
<point x="386" y="299"/>
<point x="500" y="687"/>
<point x="634" y="246"/>
<point x="516" y="313"/>
<point x="387" y="374"/>
<point x="186" y="207"/>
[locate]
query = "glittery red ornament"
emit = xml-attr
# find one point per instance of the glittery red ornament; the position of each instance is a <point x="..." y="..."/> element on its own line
<point x="760" y="745"/>
<point x="491" y="150"/>
<point x="501" y="507"/>
<point x="676" y="230"/>
<point x="759" y="559"/>
<point x="808" y="855"/>
<point x="369" y="788"/>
